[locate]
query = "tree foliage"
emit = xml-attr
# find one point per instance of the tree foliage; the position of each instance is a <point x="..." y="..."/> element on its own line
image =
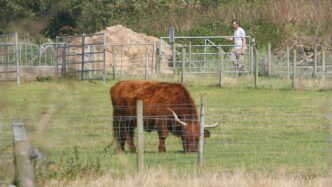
<point x="267" y="20"/>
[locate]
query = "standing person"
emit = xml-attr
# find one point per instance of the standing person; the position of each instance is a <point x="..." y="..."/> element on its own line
<point x="239" y="41"/>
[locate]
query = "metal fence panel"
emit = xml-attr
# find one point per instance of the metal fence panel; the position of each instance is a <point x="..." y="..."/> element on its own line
<point x="131" y="60"/>
<point x="47" y="54"/>
<point x="28" y="54"/>
<point x="9" y="56"/>
<point x="81" y="56"/>
<point x="202" y="54"/>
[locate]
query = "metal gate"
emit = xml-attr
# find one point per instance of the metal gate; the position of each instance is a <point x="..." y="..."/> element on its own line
<point x="202" y="54"/>
<point x="36" y="55"/>
<point x="131" y="59"/>
<point x="81" y="57"/>
<point x="47" y="53"/>
<point x="9" y="56"/>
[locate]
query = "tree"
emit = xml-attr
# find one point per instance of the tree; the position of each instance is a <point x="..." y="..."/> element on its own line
<point x="95" y="15"/>
<point x="60" y="24"/>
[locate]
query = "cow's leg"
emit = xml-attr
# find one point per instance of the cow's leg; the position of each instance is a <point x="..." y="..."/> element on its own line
<point x="130" y="137"/>
<point x="162" y="132"/>
<point x="122" y="141"/>
<point x="119" y="133"/>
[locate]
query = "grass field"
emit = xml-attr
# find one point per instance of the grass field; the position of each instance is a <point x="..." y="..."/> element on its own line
<point x="268" y="129"/>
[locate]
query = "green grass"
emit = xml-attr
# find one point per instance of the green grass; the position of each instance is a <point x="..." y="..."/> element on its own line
<point x="268" y="128"/>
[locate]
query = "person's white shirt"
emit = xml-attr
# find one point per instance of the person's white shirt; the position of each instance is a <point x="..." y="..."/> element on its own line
<point x="239" y="34"/>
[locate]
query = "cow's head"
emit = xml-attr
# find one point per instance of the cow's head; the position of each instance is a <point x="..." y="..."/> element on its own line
<point x="191" y="133"/>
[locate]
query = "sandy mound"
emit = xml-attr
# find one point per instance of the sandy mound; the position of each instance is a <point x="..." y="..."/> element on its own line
<point x="131" y="50"/>
<point x="119" y="34"/>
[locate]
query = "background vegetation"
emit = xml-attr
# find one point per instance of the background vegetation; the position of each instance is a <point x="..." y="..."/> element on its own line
<point x="266" y="20"/>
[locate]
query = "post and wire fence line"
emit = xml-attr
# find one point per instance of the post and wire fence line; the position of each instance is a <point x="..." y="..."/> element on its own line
<point x="268" y="139"/>
<point x="265" y="140"/>
<point x="93" y="56"/>
<point x="315" y="64"/>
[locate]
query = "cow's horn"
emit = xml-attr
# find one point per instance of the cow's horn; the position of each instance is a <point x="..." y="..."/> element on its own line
<point x="176" y="118"/>
<point x="211" y="126"/>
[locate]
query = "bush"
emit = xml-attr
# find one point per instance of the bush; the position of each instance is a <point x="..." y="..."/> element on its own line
<point x="40" y="78"/>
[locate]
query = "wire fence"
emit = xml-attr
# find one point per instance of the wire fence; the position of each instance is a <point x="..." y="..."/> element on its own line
<point x="268" y="140"/>
<point x="314" y="64"/>
<point x="185" y="58"/>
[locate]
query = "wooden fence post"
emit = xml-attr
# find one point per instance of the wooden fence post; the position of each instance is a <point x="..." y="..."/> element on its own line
<point x="83" y="57"/>
<point x="269" y="65"/>
<point x="201" y="132"/>
<point x="256" y="62"/>
<point x="252" y="57"/>
<point x="104" y="57"/>
<point x="158" y="57"/>
<point x="323" y="63"/>
<point x="121" y="59"/>
<point x="23" y="168"/>
<point x="190" y="58"/>
<point x="114" y="62"/>
<point x="174" y="57"/>
<point x="294" y="70"/>
<point x="140" y="136"/>
<point x="3" y="52"/>
<point x="146" y="67"/>
<point x="1" y="131"/>
<point x="64" y="59"/>
<point x="314" y="73"/>
<point x="288" y="66"/>
<point x="56" y="57"/>
<point x="183" y="64"/>
<point x="17" y="60"/>
<point x="221" y="67"/>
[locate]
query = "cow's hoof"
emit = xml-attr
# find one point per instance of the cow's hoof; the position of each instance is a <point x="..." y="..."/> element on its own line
<point x="119" y="151"/>
<point x="162" y="150"/>
<point x="132" y="150"/>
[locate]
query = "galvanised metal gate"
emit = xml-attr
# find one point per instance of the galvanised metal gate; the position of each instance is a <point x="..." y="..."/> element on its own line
<point x="47" y="53"/>
<point x="131" y="59"/>
<point x="202" y="53"/>
<point x="9" y="58"/>
<point x="36" y="55"/>
<point x="81" y="56"/>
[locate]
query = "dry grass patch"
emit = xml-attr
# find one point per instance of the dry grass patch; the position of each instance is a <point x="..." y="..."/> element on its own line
<point x="159" y="177"/>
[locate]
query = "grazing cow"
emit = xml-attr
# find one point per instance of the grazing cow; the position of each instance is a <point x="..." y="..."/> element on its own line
<point x="167" y="107"/>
